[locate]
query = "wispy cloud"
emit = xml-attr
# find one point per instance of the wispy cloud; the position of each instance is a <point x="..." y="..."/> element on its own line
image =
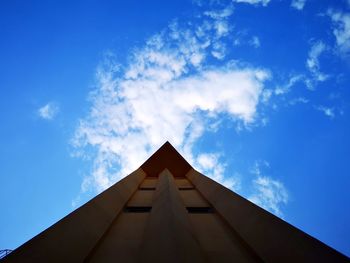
<point x="217" y="27"/>
<point x="298" y="101"/>
<point x="286" y="87"/>
<point x="328" y="111"/>
<point x="168" y="91"/>
<point x="242" y="38"/>
<point x="298" y="4"/>
<point x="254" y="2"/>
<point x="48" y="111"/>
<point x="255" y="42"/>
<point x="220" y="14"/>
<point x="341" y="30"/>
<point x="171" y="90"/>
<point x="313" y="64"/>
<point x="269" y="193"/>
<point x="211" y="165"/>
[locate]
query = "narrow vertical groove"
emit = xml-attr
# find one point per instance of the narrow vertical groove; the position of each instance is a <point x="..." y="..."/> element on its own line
<point x="103" y="236"/>
<point x="98" y="243"/>
<point x="249" y="250"/>
<point x="168" y="235"/>
<point x="73" y="237"/>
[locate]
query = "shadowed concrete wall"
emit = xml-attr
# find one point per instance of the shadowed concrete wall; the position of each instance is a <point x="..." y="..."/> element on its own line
<point x="73" y="237"/>
<point x="169" y="235"/>
<point x="166" y="158"/>
<point x="273" y="239"/>
<point x="158" y="214"/>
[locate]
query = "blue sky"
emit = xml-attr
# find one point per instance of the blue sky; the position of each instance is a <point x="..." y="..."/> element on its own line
<point x="254" y="93"/>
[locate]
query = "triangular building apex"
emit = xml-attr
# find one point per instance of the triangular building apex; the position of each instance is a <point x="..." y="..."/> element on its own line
<point x="166" y="157"/>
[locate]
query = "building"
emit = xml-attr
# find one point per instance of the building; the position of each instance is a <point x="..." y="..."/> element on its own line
<point x="166" y="211"/>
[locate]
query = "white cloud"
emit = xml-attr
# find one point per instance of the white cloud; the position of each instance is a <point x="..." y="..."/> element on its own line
<point x="298" y="4"/>
<point x="299" y="100"/>
<point x="210" y="165"/>
<point x="255" y="42"/>
<point x="166" y="92"/>
<point x="169" y="91"/>
<point x="218" y="27"/>
<point x="266" y="95"/>
<point x="269" y="193"/>
<point x="254" y="2"/>
<point x="222" y="28"/>
<point x="243" y="38"/>
<point x="285" y="88"/>
<point x="219" y="50"/>
<point x="220" y="14"/>
<point x="313" y="64"/>
<point x="341" y="30"/>
<point x="328" y="111"/>
<point x="48" y="111"/>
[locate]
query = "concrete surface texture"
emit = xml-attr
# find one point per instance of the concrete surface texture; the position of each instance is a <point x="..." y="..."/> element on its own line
<point x="166" y="211"/>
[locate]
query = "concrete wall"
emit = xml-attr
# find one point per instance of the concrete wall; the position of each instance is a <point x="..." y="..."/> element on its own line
<point x="272" y="239"/>
<point x="72" y="238"/>
<point x="158" y="214"/>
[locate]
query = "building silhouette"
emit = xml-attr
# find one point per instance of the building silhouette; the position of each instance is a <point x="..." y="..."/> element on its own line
<point x="166" y="211"/>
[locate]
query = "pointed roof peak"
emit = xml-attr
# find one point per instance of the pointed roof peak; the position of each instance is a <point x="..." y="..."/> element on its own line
<point x="166" y="157"/>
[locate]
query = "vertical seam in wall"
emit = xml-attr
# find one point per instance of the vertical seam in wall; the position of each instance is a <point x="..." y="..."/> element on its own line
<point x="249" y="249"/>
<point x="167" y="189"/>
<point x="191" y="230"/>
<point x="101" y="239"/>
